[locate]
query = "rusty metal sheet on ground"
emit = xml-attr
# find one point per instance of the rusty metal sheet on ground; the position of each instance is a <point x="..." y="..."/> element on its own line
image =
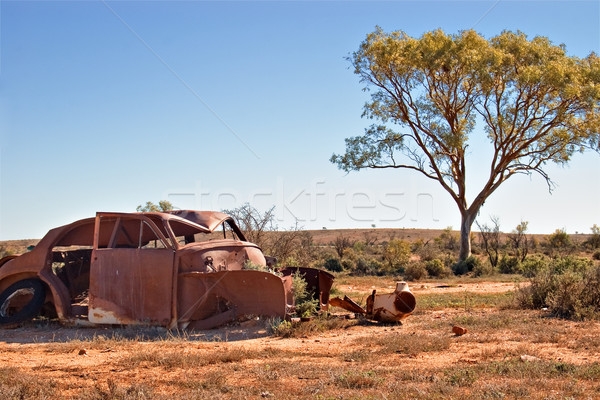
<point x="204" y="295"/>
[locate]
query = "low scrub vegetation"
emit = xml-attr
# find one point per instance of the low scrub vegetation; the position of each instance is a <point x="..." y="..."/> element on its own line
<point x="568" y="287"/>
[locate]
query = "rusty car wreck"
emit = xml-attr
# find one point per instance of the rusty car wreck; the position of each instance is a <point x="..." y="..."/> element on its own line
<point x="179" y="269"/>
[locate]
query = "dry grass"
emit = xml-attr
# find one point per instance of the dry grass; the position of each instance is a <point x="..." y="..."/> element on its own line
<point x="322" y="359"/>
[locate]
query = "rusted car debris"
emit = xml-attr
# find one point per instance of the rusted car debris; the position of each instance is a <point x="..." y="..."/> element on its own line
<point x="173" y="269"/>
<point x="388" y="307"/>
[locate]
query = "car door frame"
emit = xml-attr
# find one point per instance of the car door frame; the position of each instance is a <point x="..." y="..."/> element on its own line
<point x="130" y="285"/>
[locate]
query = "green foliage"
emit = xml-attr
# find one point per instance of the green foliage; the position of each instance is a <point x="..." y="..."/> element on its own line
<point x="396" y="254"/>
<point x="447" y="239"/>
<point x="559" y="242"/>
<point x="162" y="206"/>
<point x="333" y="264"/>
<point x="370" y="266"/>
<point x="509" y="265"/>
<point x="536" y="104"/>
<point x="436" y="268"/>
<point x="533" y="264"/>
<point x="467" y="265"/>
<point x="483" y="269"/>
<point x="594" y="240"/>
<point x="569" y="287"/>
<point x="305" y="304"/>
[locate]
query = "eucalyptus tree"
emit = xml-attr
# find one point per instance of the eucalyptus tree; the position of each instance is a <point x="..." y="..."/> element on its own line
<point x="431" y="95"/>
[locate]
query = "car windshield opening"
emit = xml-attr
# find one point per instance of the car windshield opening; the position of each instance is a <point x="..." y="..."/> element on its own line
<point x="186" y="233"/>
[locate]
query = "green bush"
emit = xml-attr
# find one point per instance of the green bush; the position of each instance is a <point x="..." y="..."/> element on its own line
<point x="415" y="271"/>
<point x="570" y="263"/>
<point x="396" y="254"/>
<point x="594" y="240"/>
<point x="533" y="264"/>
<point x="569" y="287"/>
<point x="333" y="265"/>
<point x="509" y="265"/>
<point x="467" y="265"/>
<point x="305" y="304"/>
<point x="370" y="266"/>
<point x="437" y="268"/>
<point x="559" y="242"/>
<point x="483" y="269"/>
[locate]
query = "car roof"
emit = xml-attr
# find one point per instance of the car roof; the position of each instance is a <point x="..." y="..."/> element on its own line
<point x="81" y="232"/>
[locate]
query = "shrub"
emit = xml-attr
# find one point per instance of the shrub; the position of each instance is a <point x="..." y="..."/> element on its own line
<point x="509" y="265"/>
<point x="359" y="247"/>
<point x="429" y="252"/>
<point x="483" y="269"/>
<point x="467" y="265"/>
<point x="570" y="263"/>
<point x="349" y="265"/>
<point x="437" y="268"/>
<point x="305" y="304"/>
<point x="594" y="241"/>
<point x="415" y="271"/>
<point x="447" y="240"/>
<point x="569" y="287"/>
<point x="333" y="265"/>
<point x="559" y="242"/>
<point x="533" y="264"/>
<point x="369" y="266"/>
<point x="396" y="253"/>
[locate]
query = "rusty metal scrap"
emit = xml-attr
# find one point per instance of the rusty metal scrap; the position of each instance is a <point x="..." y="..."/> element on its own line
<point x="387" y="307"/>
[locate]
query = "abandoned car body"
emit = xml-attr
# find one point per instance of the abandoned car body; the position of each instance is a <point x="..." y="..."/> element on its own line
<point x="173" y="269"/>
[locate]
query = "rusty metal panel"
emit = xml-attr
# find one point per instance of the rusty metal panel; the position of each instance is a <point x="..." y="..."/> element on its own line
<point x="129" y="286"/>
<point x="205" y="295"/>
<point x="347" y="304"/>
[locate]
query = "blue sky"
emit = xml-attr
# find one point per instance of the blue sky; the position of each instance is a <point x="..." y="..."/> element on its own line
<point x="106" y="105"/>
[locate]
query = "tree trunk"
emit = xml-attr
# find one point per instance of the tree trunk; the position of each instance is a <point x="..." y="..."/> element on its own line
<point x="467" y="218"/>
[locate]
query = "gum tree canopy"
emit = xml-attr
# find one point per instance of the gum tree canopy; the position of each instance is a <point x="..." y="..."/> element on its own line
<point x="535" y="103"/>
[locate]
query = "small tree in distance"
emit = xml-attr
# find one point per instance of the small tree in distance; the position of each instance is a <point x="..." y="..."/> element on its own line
<point x="490" y="238"/>
<point x="519" y="241"/>
<point x="162" y="206"/>
<point x="537" y="105"/>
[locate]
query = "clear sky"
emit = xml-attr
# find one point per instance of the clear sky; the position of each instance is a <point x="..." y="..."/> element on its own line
<point x="107" y="105"/>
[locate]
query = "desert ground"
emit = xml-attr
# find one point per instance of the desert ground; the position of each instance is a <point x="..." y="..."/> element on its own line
<point x="506" y="353"/>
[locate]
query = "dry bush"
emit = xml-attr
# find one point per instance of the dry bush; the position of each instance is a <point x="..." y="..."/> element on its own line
<point x="341" y="243"/>
<point x="415" y="271"/>
<point x="569" y="287"/>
